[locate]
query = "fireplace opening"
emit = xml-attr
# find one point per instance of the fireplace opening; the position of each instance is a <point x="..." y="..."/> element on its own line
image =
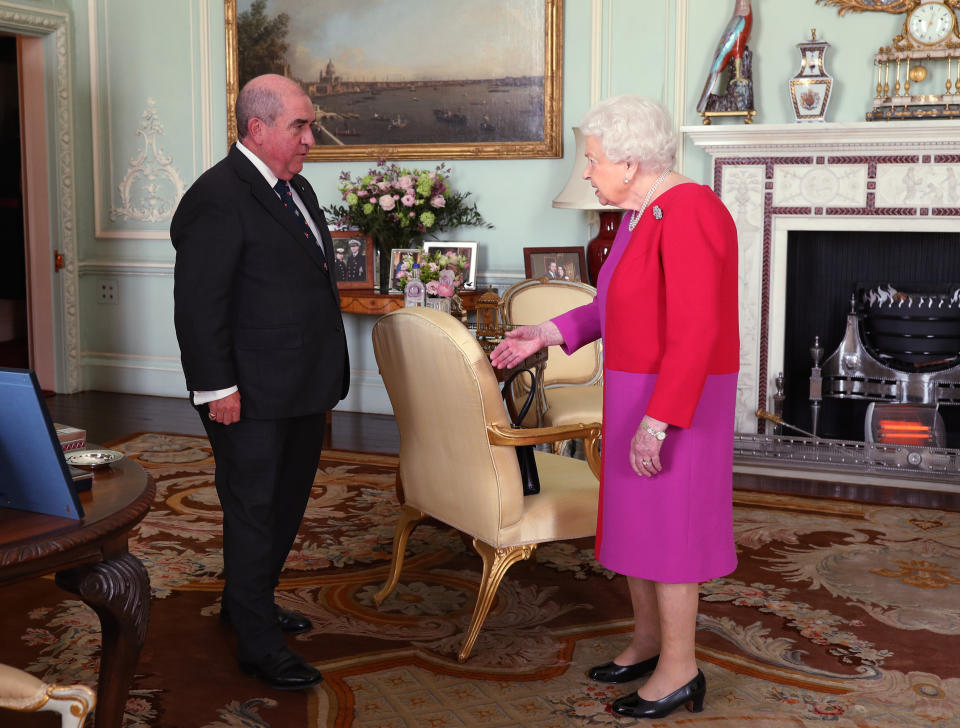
<point x="825" y="269"/>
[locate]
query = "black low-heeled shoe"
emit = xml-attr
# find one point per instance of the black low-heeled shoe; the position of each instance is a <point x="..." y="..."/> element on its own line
<point x="611" y="672"/>
<point x="691" y="695"/>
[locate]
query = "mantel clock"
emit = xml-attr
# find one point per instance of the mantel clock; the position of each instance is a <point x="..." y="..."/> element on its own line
<point x="924" y="60"/>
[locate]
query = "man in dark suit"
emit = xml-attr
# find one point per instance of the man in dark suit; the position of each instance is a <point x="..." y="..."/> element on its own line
<point x="356" y="263"/>
<point x="264" y="354"/>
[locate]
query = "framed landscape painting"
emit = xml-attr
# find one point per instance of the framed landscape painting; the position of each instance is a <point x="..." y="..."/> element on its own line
<point x="564" y="264"/>
<point x="432" y="79"/>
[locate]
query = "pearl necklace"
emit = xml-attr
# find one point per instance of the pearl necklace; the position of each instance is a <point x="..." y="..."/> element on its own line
<point x="637" y="214"/>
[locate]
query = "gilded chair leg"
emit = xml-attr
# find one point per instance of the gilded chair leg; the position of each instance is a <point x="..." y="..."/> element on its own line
<point x="495" y="564"/>
<point x="409" y="518"/>
<point x="559" y="447"/>
<point x="591" y="446"/>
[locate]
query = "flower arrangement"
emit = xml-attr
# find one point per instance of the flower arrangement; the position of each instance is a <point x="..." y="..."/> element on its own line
<point x="442" y="273"/>
<point x="396" y="205"/>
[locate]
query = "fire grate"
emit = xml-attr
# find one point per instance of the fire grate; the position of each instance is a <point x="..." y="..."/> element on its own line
<point x="808" y="453"/>
<point x="898" y="347"/>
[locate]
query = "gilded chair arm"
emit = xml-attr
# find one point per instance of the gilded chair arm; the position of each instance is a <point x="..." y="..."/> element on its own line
<point x="590" y="433"/>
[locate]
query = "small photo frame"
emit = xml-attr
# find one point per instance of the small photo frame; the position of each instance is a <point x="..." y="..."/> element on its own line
<point x="396" y="258"/>
<point x="353" y="259"/>
<point x="565" y="264"/>
<point x="467" y="250"/>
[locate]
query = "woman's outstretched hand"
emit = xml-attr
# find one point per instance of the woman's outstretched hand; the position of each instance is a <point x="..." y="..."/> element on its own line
<point x="517" y="346"/>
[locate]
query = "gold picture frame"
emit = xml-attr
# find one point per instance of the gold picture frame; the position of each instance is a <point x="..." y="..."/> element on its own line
<point x="446" y="119"/>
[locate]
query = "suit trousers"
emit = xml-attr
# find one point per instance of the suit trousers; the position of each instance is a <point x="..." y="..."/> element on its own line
<point x="264" y="475"/>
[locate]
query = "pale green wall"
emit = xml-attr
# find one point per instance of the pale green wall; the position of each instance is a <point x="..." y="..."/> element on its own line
<point x="124" y="52"/>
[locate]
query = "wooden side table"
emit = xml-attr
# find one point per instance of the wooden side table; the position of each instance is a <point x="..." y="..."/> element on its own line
<point x="90" y="559"/>
<point x="369" y="302"/>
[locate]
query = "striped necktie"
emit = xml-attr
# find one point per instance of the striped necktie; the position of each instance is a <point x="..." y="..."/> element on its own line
<point x="283" y="189"/>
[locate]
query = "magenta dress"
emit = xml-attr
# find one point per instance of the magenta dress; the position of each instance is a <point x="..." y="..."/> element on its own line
<point x="677" y="526"/>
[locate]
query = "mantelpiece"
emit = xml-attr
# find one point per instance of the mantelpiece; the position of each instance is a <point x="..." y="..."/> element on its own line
<point x="775" y="178"/>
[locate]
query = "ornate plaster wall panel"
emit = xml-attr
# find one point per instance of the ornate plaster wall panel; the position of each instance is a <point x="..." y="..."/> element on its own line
<point x="152" y="186"/>
<point x="150" y="122"/>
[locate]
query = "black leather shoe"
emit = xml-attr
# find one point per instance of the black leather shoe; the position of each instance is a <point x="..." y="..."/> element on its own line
<point x="691" y="695"/>
<point x="611" y="672"/>
<point x="290" y="622"/>
<point x="283" y="670"/>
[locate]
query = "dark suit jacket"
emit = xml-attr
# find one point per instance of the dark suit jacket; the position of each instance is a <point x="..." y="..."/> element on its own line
<point x="253" y="305"/>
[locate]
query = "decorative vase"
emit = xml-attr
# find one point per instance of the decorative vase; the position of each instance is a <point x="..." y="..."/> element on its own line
<point x="810" y="88"/>
<point x="599" y="247"/>
<point x="384" y="274"/>
<point x="438" y="302"/>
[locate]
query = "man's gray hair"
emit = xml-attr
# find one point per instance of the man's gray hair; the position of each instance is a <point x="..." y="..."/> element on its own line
<point x="634" y="129"/>
<point x="256" y="101"/>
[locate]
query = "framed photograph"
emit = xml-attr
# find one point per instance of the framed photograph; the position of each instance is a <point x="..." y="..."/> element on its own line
<point x="566" y="264"/>
<point x="353" y="259"/>
<point x="467" y="250"/>
<point x="396" y="258"/>
<point x="488" y="83"/>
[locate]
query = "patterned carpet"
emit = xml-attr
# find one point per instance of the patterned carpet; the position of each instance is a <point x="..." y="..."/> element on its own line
<point x="839" y="614"/>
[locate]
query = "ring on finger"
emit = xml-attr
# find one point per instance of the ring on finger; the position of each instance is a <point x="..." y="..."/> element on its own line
<point x="646" y="462"/>
<point x="211" y="415"/>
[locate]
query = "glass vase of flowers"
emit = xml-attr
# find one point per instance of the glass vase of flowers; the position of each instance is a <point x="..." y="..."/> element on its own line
<point x="397" y="206"/>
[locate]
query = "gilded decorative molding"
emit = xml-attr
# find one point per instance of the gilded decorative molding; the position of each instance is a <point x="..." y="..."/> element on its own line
<point x="152" y="186"/>
<point x="37" y="21"/>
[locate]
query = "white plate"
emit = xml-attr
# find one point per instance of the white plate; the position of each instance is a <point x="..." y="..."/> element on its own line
<point x="93" y="458"/>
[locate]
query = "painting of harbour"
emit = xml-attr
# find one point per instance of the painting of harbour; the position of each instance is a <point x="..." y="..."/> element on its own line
<point x="424" y="79"/>
<point x="463" y="111"/>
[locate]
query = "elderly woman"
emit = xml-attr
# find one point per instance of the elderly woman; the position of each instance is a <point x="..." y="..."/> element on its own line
<point x="666" y="309"/>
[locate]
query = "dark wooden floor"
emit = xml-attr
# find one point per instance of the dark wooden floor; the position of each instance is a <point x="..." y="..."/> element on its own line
<point x="107" y="416"/>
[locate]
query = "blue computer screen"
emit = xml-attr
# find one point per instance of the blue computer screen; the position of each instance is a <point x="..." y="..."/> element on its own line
<point x="33" y="473"/>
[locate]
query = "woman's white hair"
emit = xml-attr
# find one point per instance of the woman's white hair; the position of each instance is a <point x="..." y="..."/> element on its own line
<point x="634" y="129"/>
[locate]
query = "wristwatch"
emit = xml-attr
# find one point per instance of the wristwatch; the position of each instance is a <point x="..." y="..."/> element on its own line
<point x="659" y="434"/>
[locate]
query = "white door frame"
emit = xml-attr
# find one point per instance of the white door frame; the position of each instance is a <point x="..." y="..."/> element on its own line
<point x="50" y="223"/>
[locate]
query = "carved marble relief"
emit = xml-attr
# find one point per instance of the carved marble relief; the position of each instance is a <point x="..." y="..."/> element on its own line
<point x="918" y="185"/>
<point x="743" y="195"/>
<point x="819" y="185"/>
<point x="152" y="186"/>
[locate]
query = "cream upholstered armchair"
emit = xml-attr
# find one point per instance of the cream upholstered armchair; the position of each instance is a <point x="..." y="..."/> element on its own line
<point x="458" y="462"/>
<point x="22" y="691"/>
<point x="572" y="386"/>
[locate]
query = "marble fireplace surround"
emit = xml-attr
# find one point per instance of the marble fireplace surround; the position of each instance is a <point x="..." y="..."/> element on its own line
<point x="774" y="178"/>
